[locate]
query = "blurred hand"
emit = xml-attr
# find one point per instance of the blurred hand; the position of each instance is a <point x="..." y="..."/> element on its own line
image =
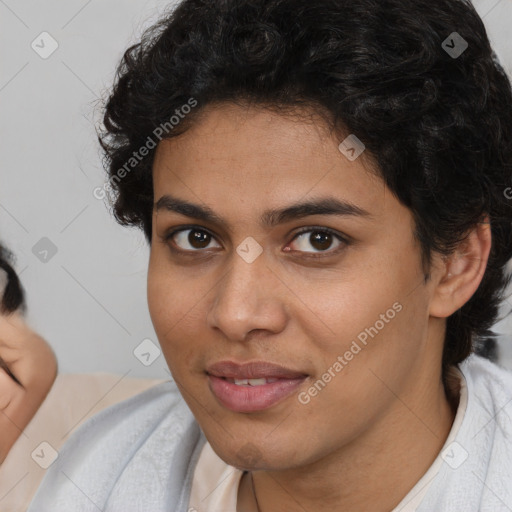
<point x="28" y="368"/>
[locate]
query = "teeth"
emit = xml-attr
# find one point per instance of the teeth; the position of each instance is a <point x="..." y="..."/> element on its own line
<point x="257" y="382"/>
<point x="252" y="382"/>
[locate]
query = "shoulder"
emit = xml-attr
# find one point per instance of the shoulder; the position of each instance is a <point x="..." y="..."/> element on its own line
<point x="486" y="379"/>
<point x="72" y="400"/>
<point x="142" y="412"/>
<point x="109" y="452"/>
<point x="489" y="391"/>
<point x="476" y="467"/>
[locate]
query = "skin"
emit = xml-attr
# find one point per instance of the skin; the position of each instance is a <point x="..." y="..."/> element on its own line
<point x="32" y="362"/>
<point x="364" y="441"/>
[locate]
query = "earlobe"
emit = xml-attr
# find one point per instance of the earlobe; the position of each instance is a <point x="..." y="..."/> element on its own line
<point x="462" y="272"/>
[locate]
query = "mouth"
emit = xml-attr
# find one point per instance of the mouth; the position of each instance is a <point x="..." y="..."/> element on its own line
<point x="254" y="386"/>
<point x="250" y="382"/>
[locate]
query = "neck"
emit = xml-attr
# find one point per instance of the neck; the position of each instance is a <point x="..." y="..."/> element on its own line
<point x="373" y="472"/>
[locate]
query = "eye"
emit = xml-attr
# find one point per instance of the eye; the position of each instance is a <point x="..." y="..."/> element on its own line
<point x="191" y="239"/>
<point x="320" y="239"/>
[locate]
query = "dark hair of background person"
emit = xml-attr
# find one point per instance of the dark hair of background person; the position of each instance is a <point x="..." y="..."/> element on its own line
<point x="440" y="128"/>
<point x="13" y="297"/>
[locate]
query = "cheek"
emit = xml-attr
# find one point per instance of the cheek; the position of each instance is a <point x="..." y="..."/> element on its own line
<point x="166" y="292"/>
<point x="355" y="380"/>
<point x="372" y="319"/>
<point x="164" y="300"/>
<point x="177" y="312"/>
<point x="333" y="313"/>
<point x="157" y="299"/>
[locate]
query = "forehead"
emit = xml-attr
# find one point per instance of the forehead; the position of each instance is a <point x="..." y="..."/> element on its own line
<point x="243" y="168"/>
<point x="231" y="141"/>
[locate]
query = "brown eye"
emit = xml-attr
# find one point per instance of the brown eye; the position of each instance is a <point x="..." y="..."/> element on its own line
<point x="319" y="240"/>
<point x="198" y="239"/>
<point x="192" y="239"/>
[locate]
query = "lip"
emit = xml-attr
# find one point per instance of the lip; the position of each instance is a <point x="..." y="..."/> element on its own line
<point x="252" y="370"/>
<point x="246" y="398"/>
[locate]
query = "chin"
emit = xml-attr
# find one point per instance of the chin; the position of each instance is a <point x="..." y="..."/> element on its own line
<point x="251" y="456"/>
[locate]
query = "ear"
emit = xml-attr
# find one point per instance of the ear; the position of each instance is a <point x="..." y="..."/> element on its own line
<point x="461" y="273"/>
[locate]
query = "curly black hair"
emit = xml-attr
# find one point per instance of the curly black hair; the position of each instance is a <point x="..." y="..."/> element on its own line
<point x="437" y="122"/>
<point x="13" y="297"/>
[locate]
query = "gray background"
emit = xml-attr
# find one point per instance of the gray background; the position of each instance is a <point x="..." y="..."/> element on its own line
<point x="89" y="298"/>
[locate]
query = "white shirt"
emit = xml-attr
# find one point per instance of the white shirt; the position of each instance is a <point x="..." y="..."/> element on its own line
<point x="215" y="483"/>
<point x="141" y="455"/>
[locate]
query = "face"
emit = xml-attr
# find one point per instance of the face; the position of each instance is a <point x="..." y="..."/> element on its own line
<point x="334" y="293"/>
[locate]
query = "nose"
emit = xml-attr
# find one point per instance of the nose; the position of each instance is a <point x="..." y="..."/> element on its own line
<point x="250" y="297"/>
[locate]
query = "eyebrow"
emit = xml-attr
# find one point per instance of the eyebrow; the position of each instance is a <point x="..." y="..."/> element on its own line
<point x="269" y="218"/>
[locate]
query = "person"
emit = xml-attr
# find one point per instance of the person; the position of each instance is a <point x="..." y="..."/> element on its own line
<point x="322" y="188"/>
<point x="40" y="406"/>
<point x="28" y="366"/>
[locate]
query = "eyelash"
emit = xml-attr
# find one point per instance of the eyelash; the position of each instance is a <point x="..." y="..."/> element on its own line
<point x="322" y="254"/>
